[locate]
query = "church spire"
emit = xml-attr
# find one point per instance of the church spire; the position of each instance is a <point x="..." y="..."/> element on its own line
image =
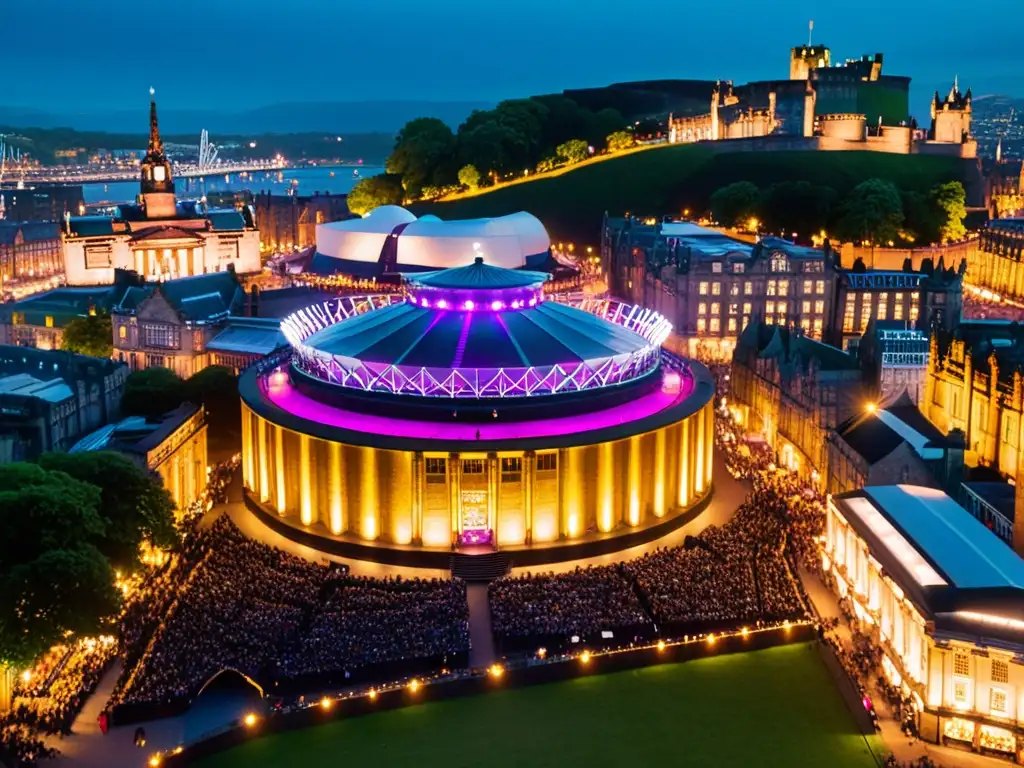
<point x="156" y="144"/>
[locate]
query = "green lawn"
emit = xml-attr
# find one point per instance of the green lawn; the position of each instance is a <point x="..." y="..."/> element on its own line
<point x="776" y="707"/>
<point x="667" y="180"/>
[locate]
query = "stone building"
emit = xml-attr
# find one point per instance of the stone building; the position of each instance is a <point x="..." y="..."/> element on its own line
<point x="793" y="390"/>
<point x="894" y="355"/>
<point x="39" y="321"/>
<point x="170" y="324"/>
<point x="726" y="119"/>
<point x="30" y="254"/>
<point x="890" y="444"/>
<point x="45" y="202"/>
<point x="52" y="398"/>
<point x="159" y="238"/>
<point x="173" y="446"/>
<point x="996" y="265"/>
<point x="940" y="596"/>
<point x="289" y="222"/>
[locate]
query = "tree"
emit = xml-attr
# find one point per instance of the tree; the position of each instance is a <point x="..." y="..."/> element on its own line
<point x="602" y="123"/>
<point x="796" y="206"/>
<point x="620" y="140"/>
<point x="873" y="212"/>
<point x="469" y="176"/>
<point x="423" y="155"/>
<point x="483" y="146"/>
<point x="91" y="335"/>
<point x="375" y="191"/>
<point x="920" y="217"/>
<point x="573" y="151"/>
<point x="950" y="201"/>
<point x="735" y="203"/>
<point x="133" y="503"/>
<point x="152" y="392"/>
<point x="53" y="578"/>
<point x="216" y="389"/>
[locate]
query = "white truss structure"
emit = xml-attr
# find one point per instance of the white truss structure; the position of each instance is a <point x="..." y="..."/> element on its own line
<point x="207" y="152"/>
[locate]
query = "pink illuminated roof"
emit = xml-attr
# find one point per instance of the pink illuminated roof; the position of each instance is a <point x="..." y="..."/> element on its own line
<point x="278" y="390"/>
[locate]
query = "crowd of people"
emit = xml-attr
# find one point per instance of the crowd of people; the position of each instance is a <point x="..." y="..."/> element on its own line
<point x="367" y="622"/>
<point x="263" y="612"/>
<point x="48" y="697"/>
<point x="584" y="602"/>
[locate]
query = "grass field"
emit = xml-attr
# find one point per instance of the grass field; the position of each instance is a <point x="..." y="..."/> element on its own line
<point x="667" y="180"/>
<point x="777" y="707"/>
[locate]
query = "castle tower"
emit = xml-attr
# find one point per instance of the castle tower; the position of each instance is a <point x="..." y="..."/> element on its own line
<point x="804" y="58"/>
<point x="716" y="103"/>
<point x="951" y="117"/>
<point x="157" y="185"/>
<point x="810" y="104"/>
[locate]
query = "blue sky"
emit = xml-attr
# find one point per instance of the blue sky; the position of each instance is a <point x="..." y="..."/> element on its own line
<point x="235" y="55"/>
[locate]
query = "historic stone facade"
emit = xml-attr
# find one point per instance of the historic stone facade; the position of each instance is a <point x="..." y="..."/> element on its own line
<point x="997" y="265"/>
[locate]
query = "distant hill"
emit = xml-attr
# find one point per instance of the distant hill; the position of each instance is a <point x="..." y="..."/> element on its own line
<point x="667" y="180"/>
<point x="301" y="117"/>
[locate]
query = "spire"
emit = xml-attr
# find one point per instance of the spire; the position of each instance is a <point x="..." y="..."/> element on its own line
<point x="999" y="154"/>
<point x="156" y="145"/>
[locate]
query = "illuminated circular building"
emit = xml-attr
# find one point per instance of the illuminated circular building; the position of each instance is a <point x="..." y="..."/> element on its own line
<point x="475" y="411"/>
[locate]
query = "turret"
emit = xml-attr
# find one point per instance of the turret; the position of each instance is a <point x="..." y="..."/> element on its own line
<point x="157" y="184"/>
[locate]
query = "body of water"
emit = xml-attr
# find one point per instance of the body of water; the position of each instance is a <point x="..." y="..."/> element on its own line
<point x="334" y="179"/>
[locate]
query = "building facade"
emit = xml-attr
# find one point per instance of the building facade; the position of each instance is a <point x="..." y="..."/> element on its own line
<point x="39" y="321"/>
<point x="159" y="238"/>
<point x="289" y="222"/>
<point x="170" y="324"/>
<point x="793" y="390"/>
<point x="997" y="264"/>
<point x="30" y="255"/>
<point x="940" y="595"/>
<point x="174" y="447"/>
<point x="45" y="202"/>
<point x="52" y="398"/>
<point x="895" y="355"/>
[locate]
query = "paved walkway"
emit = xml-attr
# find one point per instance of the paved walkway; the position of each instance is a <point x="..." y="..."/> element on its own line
<point x="481" y="639"/>
<point x="905" y="750"/>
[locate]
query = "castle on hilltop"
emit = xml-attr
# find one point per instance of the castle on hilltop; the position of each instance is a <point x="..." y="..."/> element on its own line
<point x="847" y="106"/>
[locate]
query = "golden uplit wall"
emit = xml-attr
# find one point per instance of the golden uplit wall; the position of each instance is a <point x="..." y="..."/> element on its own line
<point x="181" y="463"/>
<point x="525" y="497"/>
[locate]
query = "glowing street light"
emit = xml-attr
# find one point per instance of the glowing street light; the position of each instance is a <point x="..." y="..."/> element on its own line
<point x="661" y="645"/>
<point x="414" y="685"/>
<point x="585" y="657"/>
<point x="250" y="720"/>
<point x="372" y="694"/>
<point x="496" y="671"/>
<point x="871" y="408"/>
<point x="325" y="702"/>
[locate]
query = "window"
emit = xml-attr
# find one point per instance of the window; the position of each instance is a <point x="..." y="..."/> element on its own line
<point x="806" y="307"/>
<point x="734" y="308"/>
<point x="821" y="287"/>
<point x="772" y="287"/>
<point x="702" y="308"/>
<point x="746" y="308"/>
<point x="1000" y="671"/>
<point x="547" y="462"/>
<point x="780" y="264"/>
<point x="805" y="323"/>
<point x="748" y="288"/>
<point x="164" y="336"/>
<point x="17" y="318"/>
<point x="913" y="313"/>
<point x="808" y="287"/>
<point x="732" y="325"/>
<point x="865" y="311"/>
<point x="702" y="325"/>
<point x="716" y="267"/>
<point x="1011" y="430"/>
<point x="897" y="308"/>
<point x="961" y="664"/>
<point x="883" y="305"/>
<point x="817" y="327"/>
<point x="769" y="307"/>
<point x="122" y="332"/>
<point x="739" y="269"/>
<point x="49" y="321"/>
<point x="511" y="469"/>
<point x="746" y="322"/>
<point x="734" y="289"/>
<point x="716" y="308"/>
<point x="716" y="288"/>
<point x="702" y="289"/>
<point x="783" y="287"/>
<point x="997" y="700"/>
<point x="472" y="466"/>
<point x="960" y="691"/>
<point x="716" y="325"/>
<point x="819" y="307"/>
<point x="437" y="469"/>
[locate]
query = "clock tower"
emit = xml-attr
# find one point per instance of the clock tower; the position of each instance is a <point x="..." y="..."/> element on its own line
<point x="157" y="187"/>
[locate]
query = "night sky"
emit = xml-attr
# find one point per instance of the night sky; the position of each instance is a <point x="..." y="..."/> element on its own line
<point x="236" y="55"/>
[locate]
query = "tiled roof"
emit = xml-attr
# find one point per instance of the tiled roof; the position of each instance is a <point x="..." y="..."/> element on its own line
<point x="61" y="304"/>
<point x="91" y="226"/>
<point x="200" y="298"/>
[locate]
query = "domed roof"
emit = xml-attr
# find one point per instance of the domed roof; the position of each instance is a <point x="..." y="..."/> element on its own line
<point x="477" y="275"/>
<point x="416" y="337"/>
<point x="387" y="217"/>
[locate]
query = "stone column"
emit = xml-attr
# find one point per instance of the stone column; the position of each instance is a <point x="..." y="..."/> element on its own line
<point x="529" y="475"/>
<point x="563" y="502"/>
<point x="417" y="497"/>
<point x="492" y="493"/>
<point x="455" y="487"/>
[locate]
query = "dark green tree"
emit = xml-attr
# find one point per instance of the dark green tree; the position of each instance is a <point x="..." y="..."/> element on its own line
<point x="483" y="146"/>
<point x="735" y="203"/>
<point x="797" y="206"/>
<point x="375" y="191"/>
<point x="152" y="392"/>
<point x="424" y="155"/>
<point x="872" y="212"/>
<point x="133" y="503"/>
<point x="573" y="151"/>
<point x="920" y="217"/>
<point x="565" y="120"/>
<point x="601" y="124"/>
<point x="216" y="389"/>
<point x="950" y="202"/>
<point x="91" y="335"/>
